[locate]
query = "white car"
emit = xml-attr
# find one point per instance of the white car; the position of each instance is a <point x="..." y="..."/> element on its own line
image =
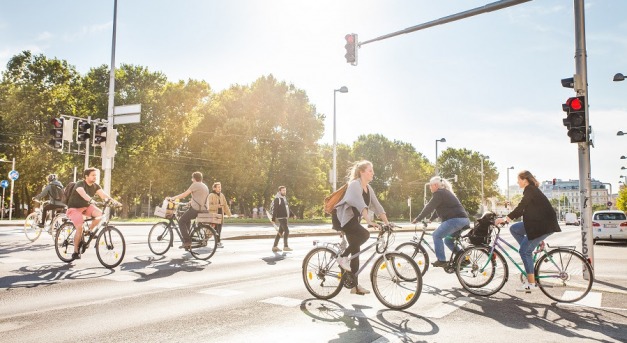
<point x="609" y="225"/>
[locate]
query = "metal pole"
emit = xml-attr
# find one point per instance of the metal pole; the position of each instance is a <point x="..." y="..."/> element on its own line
<point x="11" y="201"/>
<point x="482" y="197"/>
<point x="436" y="157"/>
<point x="334" y="147"/>
<point x="3" y="198"/>
<point x="508" y="185"/>
<point x="585" y="182"/>
<point x="149" y="195"/>
<point x="107" y="162"/>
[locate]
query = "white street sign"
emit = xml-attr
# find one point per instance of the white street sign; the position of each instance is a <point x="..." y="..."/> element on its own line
<point x="127" y="109"/>
<point x="126" y="119"/>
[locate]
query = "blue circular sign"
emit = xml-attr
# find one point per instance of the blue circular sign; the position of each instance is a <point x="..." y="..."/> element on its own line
<point x="4" y="183"/>
<point x="14" y="175"/>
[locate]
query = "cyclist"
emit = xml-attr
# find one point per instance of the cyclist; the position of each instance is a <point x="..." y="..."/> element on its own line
<point x="358" y="200"/>
<point x="445" y="205"/>
<point x="81" y="203"/>
<point x="200" y="193"/>
<point x="54" y="192"/>
<point x="539" y="221"/>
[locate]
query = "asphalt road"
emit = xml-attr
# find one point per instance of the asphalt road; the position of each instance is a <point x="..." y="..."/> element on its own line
<point x="246" y="293"/>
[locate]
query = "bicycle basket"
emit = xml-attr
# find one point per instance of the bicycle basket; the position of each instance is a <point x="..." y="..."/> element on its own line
<point x="482" y="232"/>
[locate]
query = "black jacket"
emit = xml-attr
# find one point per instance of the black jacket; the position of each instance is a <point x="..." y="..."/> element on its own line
<point x="539" y="216"/>
<point x="446" y="206"/>
<point x="279" y="210"/>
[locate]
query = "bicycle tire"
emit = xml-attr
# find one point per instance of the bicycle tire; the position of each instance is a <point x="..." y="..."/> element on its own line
<point x="110" y="247"/>
<point x="481" y="275"/>
<point x="64" y="242"/>
<point x="160" y="238"/>
<point x="31" y="227"/>
<point x="401" y="289"/>
<point x="56" y="223"/>
<point x="418" y="253"/>
<point x="204" y="242"/>
<point x="560" y="275"/>
<point x="321" y="273"/>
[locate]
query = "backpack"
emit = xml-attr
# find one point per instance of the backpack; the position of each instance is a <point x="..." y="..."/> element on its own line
<point x="482" y="232"/>
<point x="334" y="198"/>
<point x="67" y="192"/>
<point x="56" y="192"/>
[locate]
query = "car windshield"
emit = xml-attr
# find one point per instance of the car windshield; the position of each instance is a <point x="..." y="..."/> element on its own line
<point x="610" y="216"/>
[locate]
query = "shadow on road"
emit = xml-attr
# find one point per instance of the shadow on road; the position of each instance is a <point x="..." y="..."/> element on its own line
<point x="156" y="267"/>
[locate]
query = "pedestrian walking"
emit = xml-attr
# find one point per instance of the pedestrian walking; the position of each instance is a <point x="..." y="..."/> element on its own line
<point x="280" y="212"/>
<point x="219" y="205"/>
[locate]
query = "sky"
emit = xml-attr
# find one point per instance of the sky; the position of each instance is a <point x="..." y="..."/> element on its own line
<point x="489" y="83"/>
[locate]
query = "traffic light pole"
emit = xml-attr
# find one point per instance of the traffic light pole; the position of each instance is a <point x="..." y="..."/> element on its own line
<point x="585" y="182"/>
<point x="107" y="162"/>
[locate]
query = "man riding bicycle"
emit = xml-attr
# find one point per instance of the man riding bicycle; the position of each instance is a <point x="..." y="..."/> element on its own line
<point x="200" y="193"/>
<point x="81" y="203"/>
<point x="54" y="192"/>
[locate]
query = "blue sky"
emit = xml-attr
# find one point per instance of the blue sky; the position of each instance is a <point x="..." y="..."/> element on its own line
<point x="490" y="83"/>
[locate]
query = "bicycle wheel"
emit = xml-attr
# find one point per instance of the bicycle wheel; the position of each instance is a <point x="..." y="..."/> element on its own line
<point x="478" y="273"/>
<point x="31" y="227"/>
<point x="418" y="253"/>
<point x="56" y="223"/>
<point x="204" y="242"/>
<point x="160" y="238"/>
<point x="322" y="274"/>
<point x="400" y="286"/>
<point x="64" y="242"/>
<point x="110" y="247"/>
<point x="564" y="275"/>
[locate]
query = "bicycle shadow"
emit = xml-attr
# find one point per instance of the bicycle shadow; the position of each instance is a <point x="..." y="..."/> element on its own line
<point x="47" y="274"/>
<point x="392" y="325"/>
<point x="150" y="267"/>
<point x="14" y="247"/>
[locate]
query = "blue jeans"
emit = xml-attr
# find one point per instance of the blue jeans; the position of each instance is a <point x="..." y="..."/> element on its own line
<point x="526" y="246"/>
<point x="447" y="228"/>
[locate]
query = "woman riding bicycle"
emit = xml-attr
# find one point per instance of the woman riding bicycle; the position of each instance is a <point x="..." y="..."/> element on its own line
<point x="539" y="221"/>
<point x="358" y="199"/>
<point x="450" y="210"/>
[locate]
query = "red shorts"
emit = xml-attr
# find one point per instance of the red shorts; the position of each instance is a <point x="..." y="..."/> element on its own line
<point x="76" y="214"/>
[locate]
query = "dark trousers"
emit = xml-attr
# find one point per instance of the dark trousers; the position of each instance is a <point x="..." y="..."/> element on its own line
<point x="283" y="230"/>
<point x="185" y="222"/>
<point x="218" y="228"/>
<point x="47" y="208"/>
<point x="356" y="235"/>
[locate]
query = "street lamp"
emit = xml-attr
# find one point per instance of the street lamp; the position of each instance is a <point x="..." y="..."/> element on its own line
<point x="443" y="140"/>
<point x="508" y="183"/>
<point x="623" y="157"/>
<point x="482" y="176"/>
<point x="10" y="202"/>
<point x="620" y="133"/>
<point x="342" y="89"/>
<point x="619" y="77"/>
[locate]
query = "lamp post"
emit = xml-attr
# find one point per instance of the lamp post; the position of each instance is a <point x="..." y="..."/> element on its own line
<point x="508" y="183"/>
<point x="342" y="89"/>
<point x="482" y="176"/>
<point x="443" y="140"/>
<point x="11" y="201"/>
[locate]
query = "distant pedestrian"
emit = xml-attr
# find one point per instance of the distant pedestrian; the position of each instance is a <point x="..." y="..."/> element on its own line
<point x="219" y="205"/>
<point x="280" y="212"/>
<point x="54" y="192"/>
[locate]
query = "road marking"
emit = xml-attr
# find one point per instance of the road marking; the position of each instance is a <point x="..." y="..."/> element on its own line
<point x="283" y="301"/>
<point x="592" y="299"/>
<point x="8" y="260"/>
<point x="221" y="292"/>
<point x="122" y="277"/>
<point x="166" y="284"/>
<point x="446" y="308"/>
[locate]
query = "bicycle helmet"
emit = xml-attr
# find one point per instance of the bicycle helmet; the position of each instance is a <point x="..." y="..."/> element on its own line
<point x="52" y="177"/>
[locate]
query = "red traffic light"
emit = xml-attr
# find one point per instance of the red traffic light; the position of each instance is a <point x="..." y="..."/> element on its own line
<point x="575" y="104"/>
<point x="57" y="122"/>
<point x="350" y="39"/>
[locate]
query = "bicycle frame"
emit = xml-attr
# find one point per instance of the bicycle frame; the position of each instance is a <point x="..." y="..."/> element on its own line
<point x="456" y="238"/>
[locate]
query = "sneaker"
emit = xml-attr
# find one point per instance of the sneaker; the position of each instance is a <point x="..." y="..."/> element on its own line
<point x="344" y="263"/>
<point x="527" y="287"/>
<point x="439" y="264"/>
<point x="359" y="290"/>
<point x="275" y="249"/>
<point x="76" y="256"/>
<point x="220" y="245"/>
<point x="287" y="249"/>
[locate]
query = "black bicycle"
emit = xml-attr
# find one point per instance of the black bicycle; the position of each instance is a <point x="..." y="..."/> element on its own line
<point x="161" y="235"/>
<point x="110" y="245"/>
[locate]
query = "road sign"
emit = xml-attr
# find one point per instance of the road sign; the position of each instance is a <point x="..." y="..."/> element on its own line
<point x="4" y="183"/>
<point x="609" y="203"/>
<point x="127" y="114"/>
<point x="14" y="175"/>
<point x="126" y="119"/>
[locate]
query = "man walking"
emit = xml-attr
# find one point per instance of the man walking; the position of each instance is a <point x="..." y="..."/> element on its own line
<point x="280" y="212"/>
<point x="218" y="204"/>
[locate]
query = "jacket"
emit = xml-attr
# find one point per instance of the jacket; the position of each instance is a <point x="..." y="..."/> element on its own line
<point x="539" y="217"/>
<point x="445" y="204"/>
<point x="353" y="198"/>
<point x="47" y="192"/>
<point x="280" y="209"/>
<point x="216" y="202"/>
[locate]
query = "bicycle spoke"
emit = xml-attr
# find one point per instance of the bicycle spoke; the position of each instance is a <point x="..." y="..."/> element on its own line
<point x="564" y="275"/>
<point x="321" y="273"/>
<point x="396" y="280"/>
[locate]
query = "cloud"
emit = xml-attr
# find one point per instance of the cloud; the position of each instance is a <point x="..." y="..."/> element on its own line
<point x="86" y="31"/>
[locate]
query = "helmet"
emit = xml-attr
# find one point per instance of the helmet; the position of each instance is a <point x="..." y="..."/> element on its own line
<point x="52" y="177"/>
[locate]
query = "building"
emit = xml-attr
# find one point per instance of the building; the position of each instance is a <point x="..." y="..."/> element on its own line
<point x="570" y="190"/>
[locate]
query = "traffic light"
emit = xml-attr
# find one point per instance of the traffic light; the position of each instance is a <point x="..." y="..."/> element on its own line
<point x="57" y="133"/>
<point x="575" y="120"/>
<point x="82" y="131"/>
<point x="351" y="48"/>
<point x="100" y="135"/>
<point x="554" y="182"/>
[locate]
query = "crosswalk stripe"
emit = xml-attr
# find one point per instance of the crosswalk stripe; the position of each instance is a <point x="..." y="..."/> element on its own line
<point x="283" y="301"/>
<point x="446" y="308"/>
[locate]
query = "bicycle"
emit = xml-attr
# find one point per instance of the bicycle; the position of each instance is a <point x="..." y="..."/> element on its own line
<point x="562" y="273"/>
<point x="415" y="249"/>
<point x="110" y="245"/>
<point x="55" y="219"/>
<point x="395" y="277"/>
<point x="161" y="238"/>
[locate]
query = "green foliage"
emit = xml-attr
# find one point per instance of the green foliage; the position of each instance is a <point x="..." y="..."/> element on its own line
<point x="621" y="200"/>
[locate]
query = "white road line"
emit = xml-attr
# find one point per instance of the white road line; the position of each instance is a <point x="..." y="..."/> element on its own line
<point x="283" y="301"/>
<point x="221" y="292"/>
<point x="446" y="308"/>
<point x="166" y="284"/>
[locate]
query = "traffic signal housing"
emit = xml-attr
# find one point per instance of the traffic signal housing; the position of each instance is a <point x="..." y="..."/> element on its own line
<point x="57" y="133"/>
<point x="100" y="135"/>
<point x="82" y="131"/>
<point x="575" y="120"/>
<point x="351" y="48"/>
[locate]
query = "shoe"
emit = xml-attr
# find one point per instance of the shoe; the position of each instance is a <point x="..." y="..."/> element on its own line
<point x="287" y="249"/>
<point x="220" y="245"/>
<point x="186" y="246"/>
<point x="439" y="264"/>
<point x="275" y="249"/>
<point x="359" y="290"/>
<point x="527" y="287"/>
<point x="76" y="256"/>
<point x="344" y="263"/>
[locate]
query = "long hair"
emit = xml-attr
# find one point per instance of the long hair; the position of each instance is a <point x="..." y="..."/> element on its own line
<point x="526" y="175"/>
<point x="355" y="171"/>
<point x="441" y="183"/>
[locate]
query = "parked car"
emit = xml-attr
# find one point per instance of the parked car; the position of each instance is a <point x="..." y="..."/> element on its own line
<point x="609" y="225"/>
<point x="571" y="219"/>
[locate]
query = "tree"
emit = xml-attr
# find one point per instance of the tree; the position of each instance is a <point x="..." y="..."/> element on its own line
<point x="621" y="200"/>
